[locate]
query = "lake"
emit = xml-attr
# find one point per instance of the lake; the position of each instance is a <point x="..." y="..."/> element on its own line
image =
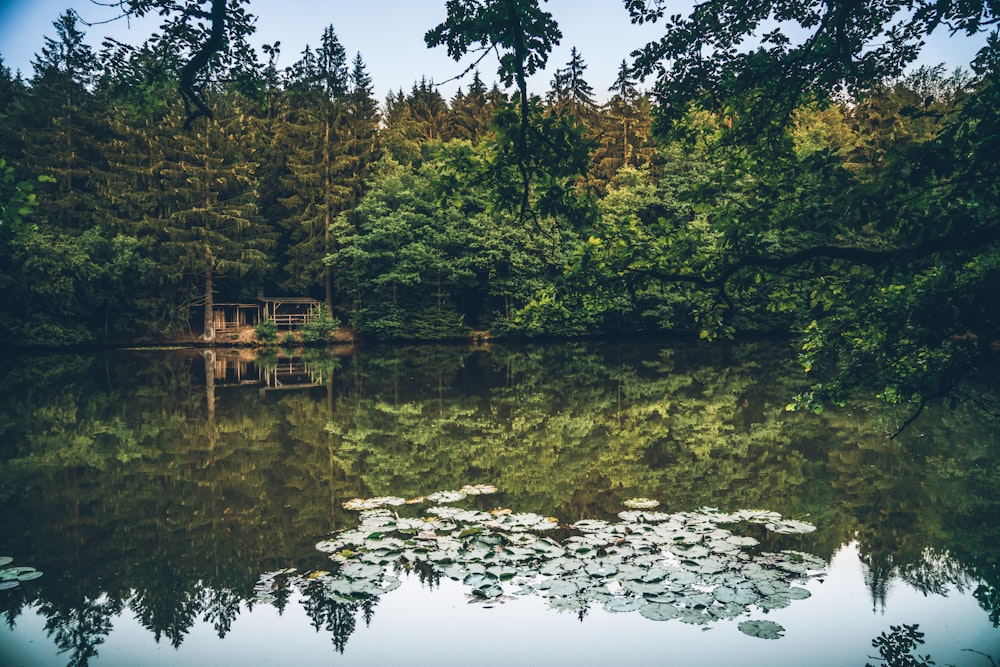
<point x="591" y="503"/>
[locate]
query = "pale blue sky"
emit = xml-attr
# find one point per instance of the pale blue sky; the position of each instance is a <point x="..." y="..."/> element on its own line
<point x="389" y="35"/>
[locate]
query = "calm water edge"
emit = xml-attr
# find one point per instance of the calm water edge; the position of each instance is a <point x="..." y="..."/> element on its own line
<point x="558" y="504"/>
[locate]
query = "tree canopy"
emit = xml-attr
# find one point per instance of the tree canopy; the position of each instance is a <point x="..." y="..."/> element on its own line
<point x="783" y="174"/>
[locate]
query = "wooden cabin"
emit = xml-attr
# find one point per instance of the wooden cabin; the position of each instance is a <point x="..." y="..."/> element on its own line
<point x="288" y="312"/>
<point x="230" y="317"/>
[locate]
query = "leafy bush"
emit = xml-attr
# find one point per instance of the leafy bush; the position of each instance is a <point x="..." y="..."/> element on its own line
<point x="266" y="331"/>
<point x="289" y="339"/>
<point x="320" y="327"/>
<point x="438" y="324"/>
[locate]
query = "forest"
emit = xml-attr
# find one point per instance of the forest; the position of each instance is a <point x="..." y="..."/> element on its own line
<point x="821" y="190"/>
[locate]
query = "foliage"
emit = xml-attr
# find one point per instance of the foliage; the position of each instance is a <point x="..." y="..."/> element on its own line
<point x="896" y="648"/>
<point x="320" y="327"/>
<point x="266" y="331"/>
<point x="861" y="222"/>
<point x="16" y="201"/>
<point x="758" y="62"/>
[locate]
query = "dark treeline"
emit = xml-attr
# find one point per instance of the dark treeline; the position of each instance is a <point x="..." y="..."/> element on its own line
<point x="866" y="223"/>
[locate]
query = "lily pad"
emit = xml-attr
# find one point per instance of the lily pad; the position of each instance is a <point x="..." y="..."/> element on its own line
<point x="591" y="526"/>
<point x="5" y="560"/>
<point x="789" y="527"/>
<point x="618" y="605"/>
<point x="641" y="503"/>
<point x="488" y="592"/>
<point x="7" y="585"/>
<point x="681" y="565"/>
<point x="478" y="489"/>
<point x="446" y="497"/>
<point x="762" y="629"/>
<point x="656" y="611"/>
<point x="560" y="587"/>
<point x="20" y="573"/>
<point x="740" y="596"/>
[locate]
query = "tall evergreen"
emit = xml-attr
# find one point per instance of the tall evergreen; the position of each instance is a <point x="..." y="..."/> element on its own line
<point x="212" y="228"/>
<point x="471" y="112"/>
<point x="60" y="126"/>
<point x="429" y="111"/>
<point x="626" y="128"/>
<point x="311" y="137"/>
<point x="360" y="136"/>
<point x="570" y="94"/>
<point x="400" y="135"/>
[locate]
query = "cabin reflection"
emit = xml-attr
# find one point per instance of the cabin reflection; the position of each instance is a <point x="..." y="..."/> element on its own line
<point x="239" y="368"/>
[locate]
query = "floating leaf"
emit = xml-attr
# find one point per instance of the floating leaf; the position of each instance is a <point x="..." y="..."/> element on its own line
<point x="656" y="611"/>
<point x="682" y="565"/>
<point x="459" y="514"/>
<point x="446" y="497"/>
<point x="789" y="527"/>
<point x="756" y="516"/>
<point x="488" y="592"/>
<point x="478" y="489"/>
<point x="20" y="573"/>
<point x="641" y="503"/>
<point x="762" y="629"/>
<point x="739" y="595"/>
<point x="590" y="525"/>
<point x="559" y="587"/>
<point x="5" y="560"/>
<point x="638" y="516"/>
<point x="619" y="605"/>
<point x="357" y="504"/>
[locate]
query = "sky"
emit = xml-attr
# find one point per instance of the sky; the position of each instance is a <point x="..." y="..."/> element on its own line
<point x="389" y="34"/>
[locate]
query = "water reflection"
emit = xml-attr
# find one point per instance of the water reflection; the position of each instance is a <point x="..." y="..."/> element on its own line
<point x="164" y="484"/>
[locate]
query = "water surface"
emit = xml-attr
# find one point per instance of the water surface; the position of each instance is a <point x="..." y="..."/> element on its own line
<point x="174" y="501"/>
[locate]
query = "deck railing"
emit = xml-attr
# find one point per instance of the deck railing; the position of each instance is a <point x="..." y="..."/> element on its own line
<point x="292" y="319"/>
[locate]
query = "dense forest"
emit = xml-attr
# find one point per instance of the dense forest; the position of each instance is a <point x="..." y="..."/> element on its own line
<point x="840" y="197"/>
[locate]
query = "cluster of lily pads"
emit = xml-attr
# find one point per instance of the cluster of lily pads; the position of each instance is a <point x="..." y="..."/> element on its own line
<point x="681" y="565"/>
<point x="11" y="577"/>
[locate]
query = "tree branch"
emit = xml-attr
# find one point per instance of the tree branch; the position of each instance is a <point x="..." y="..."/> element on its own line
<point x="190" y="90"/>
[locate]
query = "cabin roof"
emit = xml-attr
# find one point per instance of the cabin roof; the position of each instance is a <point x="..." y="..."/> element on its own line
<point x="287" y="299"/>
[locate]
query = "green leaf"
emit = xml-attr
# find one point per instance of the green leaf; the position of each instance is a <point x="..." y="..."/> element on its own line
<point x="762" y="629"/>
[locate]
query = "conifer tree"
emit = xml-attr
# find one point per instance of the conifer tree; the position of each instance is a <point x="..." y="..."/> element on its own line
<point x="570" y="94"/>
<point x="471" y="112"/>
<point x="360" y="137"/>
<point x="212" y="228"/>
<point x="429" y="111"/>
<point x="626" y="128"/>
<point x="311" y="137"/>
<point x="60" y="126"/>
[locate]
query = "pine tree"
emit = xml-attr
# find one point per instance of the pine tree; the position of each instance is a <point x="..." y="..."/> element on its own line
<point x="400" y="136"/>
<point x="211" y="228"/>
<point x="626" y="128"/>
<point x="471" y="112"/>
<point x="316" y="161"/>
<point x="429" y="111"/>
<point x="61" y="125"/>
<point x="570" y="94"/>
<point x="360" y="136"/>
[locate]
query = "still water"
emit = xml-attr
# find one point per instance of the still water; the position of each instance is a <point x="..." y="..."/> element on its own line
<point x="561" y="504"/>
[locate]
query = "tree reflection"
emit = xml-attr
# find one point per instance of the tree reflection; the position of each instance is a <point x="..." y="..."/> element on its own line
<point x="166" y="485"/>
<point x="79" y="629"/>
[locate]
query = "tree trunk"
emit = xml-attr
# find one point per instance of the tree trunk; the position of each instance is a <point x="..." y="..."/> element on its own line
<point x="327" y="177"/>
<point x="209" y="333"/>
